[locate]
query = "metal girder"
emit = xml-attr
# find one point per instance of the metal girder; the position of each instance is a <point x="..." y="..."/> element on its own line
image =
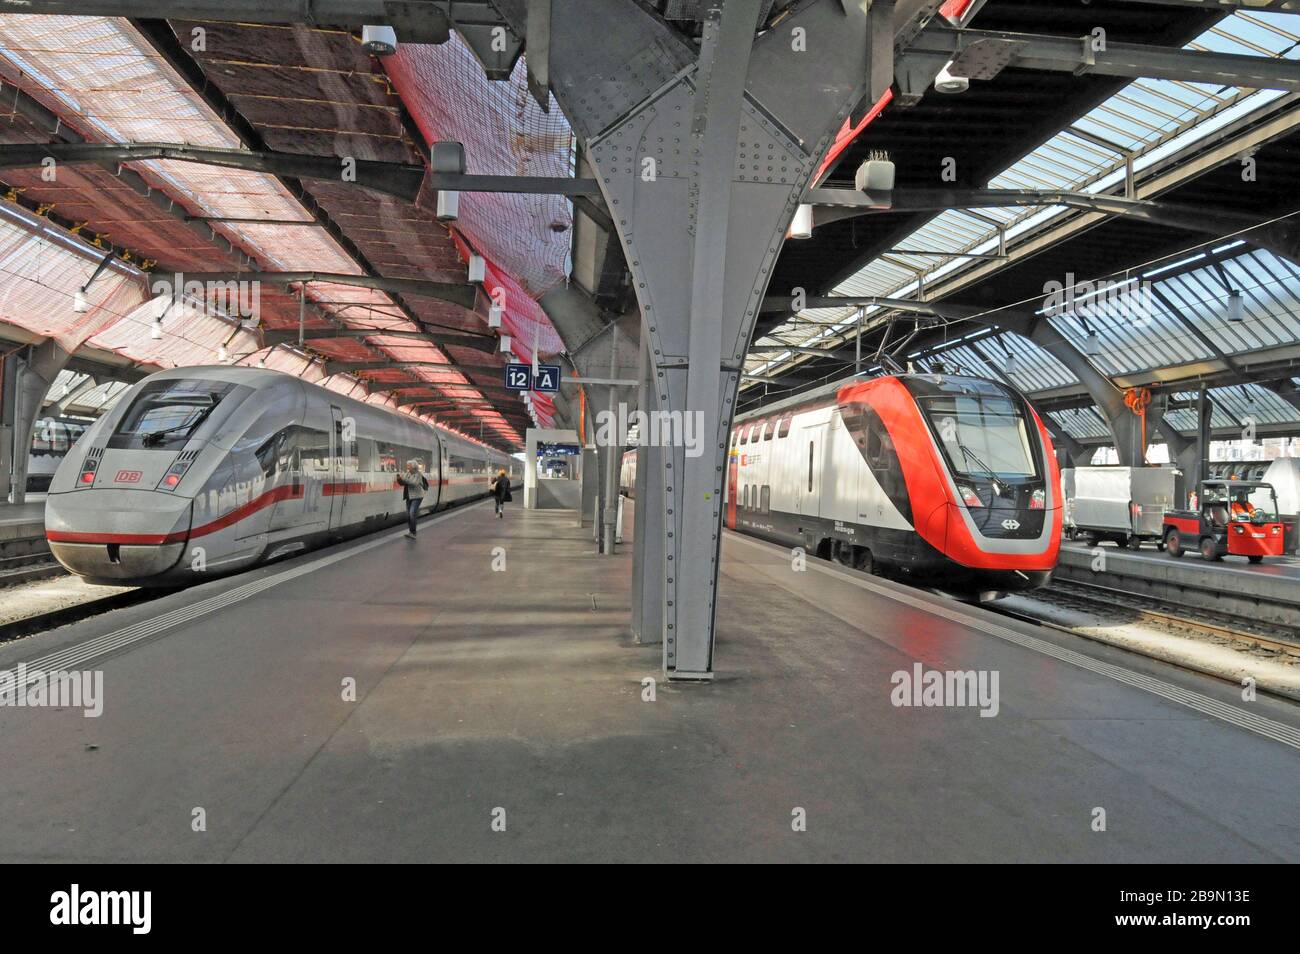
<point x="680" y="142"/>
<point x="342" y="367"/>
<point x="1250" y="6"/>
<point x="414" y="21"/>
<point x="969" y="48"/>
<point x="399" y="179"/>
<point x="458" y="293"/>
<point x="833" y="204"/>
<point x="377" y="387"/>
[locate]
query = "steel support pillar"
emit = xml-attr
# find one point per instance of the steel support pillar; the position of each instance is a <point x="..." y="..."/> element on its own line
<point x="649" y="527"/>
<point x="701" y="158"/>
<point x="35" y="375"/>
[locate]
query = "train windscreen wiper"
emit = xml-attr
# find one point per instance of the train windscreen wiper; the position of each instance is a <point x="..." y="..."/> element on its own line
<point x="970" y="455"/>
<point x="154" y="438"/>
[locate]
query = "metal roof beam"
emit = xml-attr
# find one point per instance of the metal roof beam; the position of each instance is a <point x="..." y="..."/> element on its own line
<point x="392" y="178"/>
<point x="458" y="293"/>
<point x="414" y="21"/>
<point x="1077" y="55"/>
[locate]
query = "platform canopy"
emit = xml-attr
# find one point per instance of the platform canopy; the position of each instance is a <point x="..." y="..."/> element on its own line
<point x="1046" y="179"/>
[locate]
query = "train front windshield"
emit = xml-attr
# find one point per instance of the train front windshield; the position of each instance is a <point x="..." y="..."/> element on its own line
<point x="982" y="435"/>
<point x="167" y="413"/>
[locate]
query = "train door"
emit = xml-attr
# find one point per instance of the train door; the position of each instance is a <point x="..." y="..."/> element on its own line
<point x="808" y="470"/>
<point x="436" y="472"/>
<point x="337" y="479"/>
<point x="733" y="480"/>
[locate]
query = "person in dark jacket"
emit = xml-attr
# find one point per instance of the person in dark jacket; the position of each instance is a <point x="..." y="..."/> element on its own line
<point x="414" y="484"/>
<point x="501" y="491"/>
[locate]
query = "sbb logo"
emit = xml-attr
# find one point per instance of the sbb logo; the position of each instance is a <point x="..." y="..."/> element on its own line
<point x="128" y="476"/>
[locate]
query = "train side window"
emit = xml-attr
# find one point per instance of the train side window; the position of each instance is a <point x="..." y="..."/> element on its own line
<point x="765" y="499"/>
<point x="744" y="434"/>
<point x="769" y="431"/>
<point x="873" y="444"/>
<point x="365" y="451"/>
<point x="735" y="437"/>
<point x="785" y="426"/>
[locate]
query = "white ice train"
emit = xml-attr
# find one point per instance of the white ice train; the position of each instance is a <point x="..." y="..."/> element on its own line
<point x="944" y="479"/>
<point x="207" y="470"/>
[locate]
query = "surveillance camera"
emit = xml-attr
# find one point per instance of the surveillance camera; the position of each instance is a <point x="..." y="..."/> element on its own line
<point x="379" y="40"/>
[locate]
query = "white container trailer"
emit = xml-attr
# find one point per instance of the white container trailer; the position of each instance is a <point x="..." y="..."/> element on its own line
<point x="1123" y="504"/>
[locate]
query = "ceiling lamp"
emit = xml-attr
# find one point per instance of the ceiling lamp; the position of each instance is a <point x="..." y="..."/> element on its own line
<point x="379" y="40"/>
<point x="223" y="355"/>
<point x="946" y="82"/>
<point x="448" y="207"/>
<point x="1013" y="364"/>
<point x="494" y="315"/>
<point x="155" y="330"/>
<point x="801" y="226"/>
<point x="477" y="268"/>
<point x="1236" y="307"/>
<point x="80" y="303"/>
<point x="505" y="344"/>
<point x="1092" y="344"/>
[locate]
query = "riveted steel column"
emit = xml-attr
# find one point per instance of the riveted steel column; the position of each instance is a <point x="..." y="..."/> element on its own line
<point x="702" y="159"/>
<point x="649" y="521"/>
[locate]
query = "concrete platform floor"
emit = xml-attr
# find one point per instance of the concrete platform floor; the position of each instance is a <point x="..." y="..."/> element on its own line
<point x="483" y="695"/>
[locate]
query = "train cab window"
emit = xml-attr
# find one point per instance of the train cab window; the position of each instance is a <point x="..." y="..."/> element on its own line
<point x="982" y="435"/>
<point x="167" y="413"/>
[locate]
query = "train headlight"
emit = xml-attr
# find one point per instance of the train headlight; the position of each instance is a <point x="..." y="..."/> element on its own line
<point x="1038" y="500"/>
<point x="88" y="469"/>
<point x="173" y="476"/>
<point x="1239" y="528"/>
<point x="968" y="496"/>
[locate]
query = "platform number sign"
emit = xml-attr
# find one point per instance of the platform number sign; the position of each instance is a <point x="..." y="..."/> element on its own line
<point x="519" y="377"/>
<point x="547" y="378"/>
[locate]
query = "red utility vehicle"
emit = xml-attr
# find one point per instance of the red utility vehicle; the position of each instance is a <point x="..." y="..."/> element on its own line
<point x="1227" y="522"/>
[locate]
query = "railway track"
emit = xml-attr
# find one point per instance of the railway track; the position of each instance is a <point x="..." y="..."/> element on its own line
<point x="42" y="620"/>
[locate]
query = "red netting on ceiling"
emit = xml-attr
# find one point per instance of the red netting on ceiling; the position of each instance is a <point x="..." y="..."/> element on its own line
<point x="505" y="133"/>
<point x="39" y="277"/>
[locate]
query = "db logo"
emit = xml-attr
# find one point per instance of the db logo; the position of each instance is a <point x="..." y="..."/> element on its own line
<point x="128" y="476"/>
<point x="1010" y="524"/>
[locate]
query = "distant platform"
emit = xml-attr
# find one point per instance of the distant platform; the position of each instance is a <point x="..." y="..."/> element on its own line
<point x="1269" y="591"/>
<point x="390" y="699"/>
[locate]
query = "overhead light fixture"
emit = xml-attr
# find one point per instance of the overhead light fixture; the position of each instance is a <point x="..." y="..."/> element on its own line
<point x="1013" y="364"/>
<point x="379" y="40"/>
<point x="1236" y="306"/>
<point x="877" y="174"/>
<point x="261" y="361"/>
<point x="80" y="303"/>
<point x="494" y="315"/>
<point x="448" y="206"/>
<point x="505" y="343"/>
<point x="155" y="331"/>
<point x="223" y="355"/>
<point x="801" y="226"/>
<point x="1092" y="344"/>
<point x="946" y="82"/>
<point x="477" y="268"/>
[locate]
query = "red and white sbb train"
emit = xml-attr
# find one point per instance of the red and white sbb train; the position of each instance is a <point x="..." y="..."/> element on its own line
<point x="945" y="479"/>
<point x="207" y="470"/>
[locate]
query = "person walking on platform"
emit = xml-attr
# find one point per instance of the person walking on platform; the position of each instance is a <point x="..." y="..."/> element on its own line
<point x="501" y="491"/>
<point x="414" y="484"/>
